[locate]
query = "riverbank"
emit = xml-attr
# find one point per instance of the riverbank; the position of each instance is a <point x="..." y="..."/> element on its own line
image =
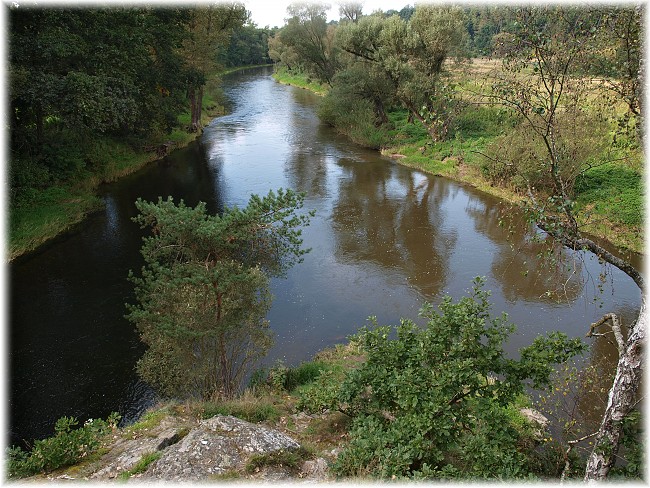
<point x="48" y="212"/>
<point x="287" y="426"/>
<point x="609" y="198"/>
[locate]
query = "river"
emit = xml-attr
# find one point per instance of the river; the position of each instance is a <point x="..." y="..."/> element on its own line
<point x="384" y="240"/>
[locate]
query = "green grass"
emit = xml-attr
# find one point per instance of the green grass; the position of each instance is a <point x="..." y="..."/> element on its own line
<point x="142" y="465"/>
<point x="246" y="408"/>
<point x="613" y="189"/>
<point x="51" y="212"/>
<point x="301" y="81"/>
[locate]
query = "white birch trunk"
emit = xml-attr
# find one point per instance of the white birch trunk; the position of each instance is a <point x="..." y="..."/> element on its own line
<point x="622" y="397"/>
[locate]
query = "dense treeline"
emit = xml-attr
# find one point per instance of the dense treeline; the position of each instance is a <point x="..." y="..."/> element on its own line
<point x="248" y="46"/>
<point x="94" y="92"/>
<point x="554" y="116"/>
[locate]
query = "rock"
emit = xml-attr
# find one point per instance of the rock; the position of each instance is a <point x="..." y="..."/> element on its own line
<point x="537" y="419"/>
<point x="126" y="453"/>
<point x="215" y="446"/>
<point x="315" y="470"/>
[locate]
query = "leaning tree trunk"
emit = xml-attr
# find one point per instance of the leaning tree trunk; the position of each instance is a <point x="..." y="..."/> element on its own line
<point x="621" y="400"/>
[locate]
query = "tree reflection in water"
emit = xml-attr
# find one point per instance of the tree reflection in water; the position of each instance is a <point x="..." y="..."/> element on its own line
<point x="394" y="220"/>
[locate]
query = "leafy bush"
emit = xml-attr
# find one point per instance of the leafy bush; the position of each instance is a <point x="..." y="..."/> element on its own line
<point x="68" y="446"/>
<point x="433" y="401"/>
<point x="520" y="158"/>
<point x="283" y="378"/>
<point x="322" y="394"/>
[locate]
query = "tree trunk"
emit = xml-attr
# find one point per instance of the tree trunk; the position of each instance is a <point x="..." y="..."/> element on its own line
<point x="196" y="105"/>
<point x="40" y="131"/>
<point x="621" y="400"/>
<point x="627" y="379"/>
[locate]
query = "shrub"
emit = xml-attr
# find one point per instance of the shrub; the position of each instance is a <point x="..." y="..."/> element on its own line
<point x="520" y="158"/>
<point x="283" y="378"/>
<point x="433" y="402"/>
<point x="322" y="394"/>
<point x="68" y="446"/>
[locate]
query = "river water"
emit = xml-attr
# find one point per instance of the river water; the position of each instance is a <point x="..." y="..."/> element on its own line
<point x="384" y="240"/>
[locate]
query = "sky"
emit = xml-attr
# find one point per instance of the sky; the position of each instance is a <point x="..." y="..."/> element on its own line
<point x="272" y="13"/>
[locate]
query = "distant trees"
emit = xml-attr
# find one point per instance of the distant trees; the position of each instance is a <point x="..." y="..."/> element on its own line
<point x="248" y="46"/>
<point x="203" y="296"/>
<point x="410" y="57"/>
<point x="376" y="61"/>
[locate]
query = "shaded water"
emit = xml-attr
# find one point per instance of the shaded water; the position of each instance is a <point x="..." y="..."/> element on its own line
<point x="384" y="240"/>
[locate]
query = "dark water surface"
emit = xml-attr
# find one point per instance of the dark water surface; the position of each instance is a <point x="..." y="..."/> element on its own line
<point x="384" y="240"/>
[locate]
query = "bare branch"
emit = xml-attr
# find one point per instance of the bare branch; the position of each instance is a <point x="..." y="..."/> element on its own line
<point x="616" y="329"/>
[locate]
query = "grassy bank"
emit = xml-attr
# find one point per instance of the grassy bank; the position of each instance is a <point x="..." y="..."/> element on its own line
<point x="299" y="80"/>
<point x="41" y="213"/>
<point x="609" y="198"/>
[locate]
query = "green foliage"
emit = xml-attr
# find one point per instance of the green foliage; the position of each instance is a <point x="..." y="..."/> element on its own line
<point x="352" y="116"/>
<point x="203" y="295"/>
<point x="404" y="61"/>
<point x="305" y="42"/>
<point x="69" y="445"/>
<point x="614" y="190"/>
<point x="248" y="46"/>
<point x="322" y="393"/>
<point x="288" y="458"/>
<point x="433" y="401"/>
<point x="288" y="379"/>
<point x="281" y="378"/>
<point x="633" y="448"/>
<point x="255" y="411"/>
<point x="521" y="160"/>
<point x="142" y="465"/>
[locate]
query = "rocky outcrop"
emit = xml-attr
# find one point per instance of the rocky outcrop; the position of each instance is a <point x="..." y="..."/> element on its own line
<point x="216" y="446"/>
<point x="212" y="449"/>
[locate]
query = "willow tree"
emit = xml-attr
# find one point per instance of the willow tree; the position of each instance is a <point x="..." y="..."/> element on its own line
<point x="209" y="29"/>
<point x="543" y="83"/>
<point x="307" y="41"/>
<point x="411" y="56"/>
<point x="203" y="293"/>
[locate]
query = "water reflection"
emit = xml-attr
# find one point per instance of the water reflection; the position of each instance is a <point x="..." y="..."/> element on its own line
<point x="528" y="265"/>
<point x="395" y="220"/>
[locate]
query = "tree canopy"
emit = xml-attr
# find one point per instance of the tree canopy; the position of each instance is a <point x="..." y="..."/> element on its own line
<point x="203" y="295"/>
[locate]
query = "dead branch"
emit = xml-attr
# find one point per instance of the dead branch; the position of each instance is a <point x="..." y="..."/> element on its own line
<point x="616" y="329"/>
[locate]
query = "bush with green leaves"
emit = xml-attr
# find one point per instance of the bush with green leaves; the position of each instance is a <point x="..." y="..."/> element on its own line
<point x="69" y="445"/>
<point x="322" y="393"/>
<point x="433" y="401"/>
<point x="519" y="158"/>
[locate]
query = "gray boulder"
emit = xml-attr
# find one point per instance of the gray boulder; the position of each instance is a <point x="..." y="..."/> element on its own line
<point x="215" y="446"/>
